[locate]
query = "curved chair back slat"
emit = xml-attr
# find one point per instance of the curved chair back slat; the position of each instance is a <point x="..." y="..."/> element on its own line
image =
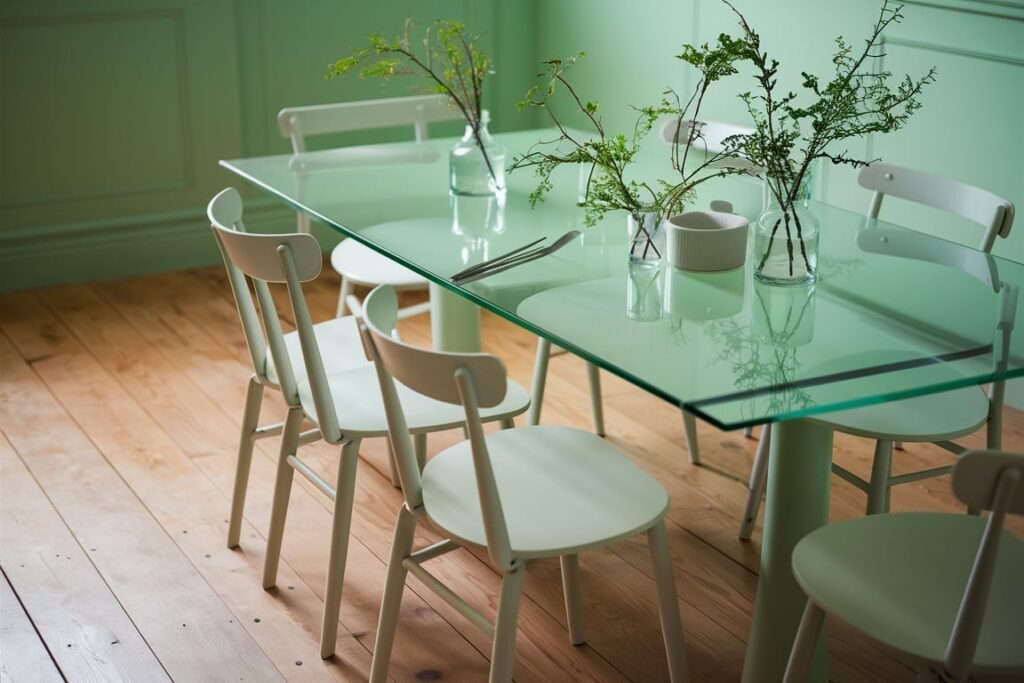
<point x="257" y="255"/>
<point x="298" y="123"/>
<point x="989" y="210"/>
<point x="225" y="209"/>
<point x="987" y="480"/>
<point x="976" y="478"/>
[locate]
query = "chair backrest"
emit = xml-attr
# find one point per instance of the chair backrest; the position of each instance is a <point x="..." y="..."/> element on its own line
<point x="979" y="474"/>
<point x="261" y="259"/>
<point x="711" y="133"/>
<point x="472" y="379"/>
<point x="992" y="212"/>
<point x="708" y="137"/>
<point x="298" y="123"/>
<point x="987" y="480"/>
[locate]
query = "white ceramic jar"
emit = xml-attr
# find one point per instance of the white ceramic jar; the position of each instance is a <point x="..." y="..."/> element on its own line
<point x="707" y="241"/>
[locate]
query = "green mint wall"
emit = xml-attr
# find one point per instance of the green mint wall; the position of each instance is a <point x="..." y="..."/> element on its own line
<point x="113" y="114"/>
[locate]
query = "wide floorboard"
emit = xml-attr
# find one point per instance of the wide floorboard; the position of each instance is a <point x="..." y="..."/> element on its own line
<point x="120" y="406"/>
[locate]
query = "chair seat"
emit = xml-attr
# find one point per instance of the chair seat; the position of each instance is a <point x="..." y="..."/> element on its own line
<point x="363" y="266"/>
<point x="360" y="406"/>
<point x="935" y="417"/>
<point x="847" y="568"/>
<point x="563" y="490"/>
<point x="340" y="346"/>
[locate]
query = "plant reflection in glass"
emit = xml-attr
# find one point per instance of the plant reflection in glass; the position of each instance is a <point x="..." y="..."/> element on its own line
<point x="764" y="353"/>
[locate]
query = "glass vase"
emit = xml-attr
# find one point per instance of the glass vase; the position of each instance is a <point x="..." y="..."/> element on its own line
<point x="786" y="237"/>
<point x="477" y="164"/>
<point x="646" y="236"/>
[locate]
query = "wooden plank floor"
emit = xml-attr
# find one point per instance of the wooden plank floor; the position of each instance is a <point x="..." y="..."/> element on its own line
<point x="120" y="405"/>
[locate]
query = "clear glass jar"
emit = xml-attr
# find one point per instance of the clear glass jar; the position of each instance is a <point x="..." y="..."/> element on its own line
<point x="786" y="238"/>
<point x="646" y="236"/>
<point x="477" y="168"/>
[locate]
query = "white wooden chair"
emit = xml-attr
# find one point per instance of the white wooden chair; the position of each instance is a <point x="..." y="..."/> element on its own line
<point x="943" y="590"/>
<point x="343" y="403"/>
<point x="939" y="418"/>
<point x="356" y="263"/>
<point x="338" y="337"/>
<point x="522" y="494"/>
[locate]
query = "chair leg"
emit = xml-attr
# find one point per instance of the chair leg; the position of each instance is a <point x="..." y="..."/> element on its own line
<point x="392" y="464"/>
<point x="401" y="546"/>
<point x="504" y="648"/>
<point x="540" y="376"/>
<point x="690" y="429"/>
<point x="282" y="492"/>
<point x="343" y="294"/>
<point x="250" y="418"/>
<point x="668" y="603"/>
<point x="748" y="432"/>
<point x="994" y="427"/>
<point x="344" y="493"/>
<point x="804" y="645"/>
<point x="573" y="597"/>
<point x="929" y="675"/>
<point x="507" y="423"/>
<point x="758" y="479"/>
<point x="596" y="405"/>
<point x="881" y="471"/>
<point x="419" y="446"/>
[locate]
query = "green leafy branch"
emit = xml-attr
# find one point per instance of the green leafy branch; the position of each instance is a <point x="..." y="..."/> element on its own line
<point x="609" y="155"/>
<point x="449" y="61"/>
<point x="858" y="100"/>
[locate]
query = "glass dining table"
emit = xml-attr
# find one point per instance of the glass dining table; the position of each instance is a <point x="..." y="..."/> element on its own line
<point x="893" y="314"/>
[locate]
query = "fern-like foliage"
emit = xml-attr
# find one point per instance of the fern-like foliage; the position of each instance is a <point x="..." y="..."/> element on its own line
<point x="443" y="55"/>
<point x="860" y="98"/>
<point x="608" y="156"/>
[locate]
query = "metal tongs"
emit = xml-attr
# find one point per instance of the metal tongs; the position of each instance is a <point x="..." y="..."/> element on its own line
<point x="516" y="257"/>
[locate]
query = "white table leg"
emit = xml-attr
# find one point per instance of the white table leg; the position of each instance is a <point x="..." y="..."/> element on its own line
<point x="799" y="476"/>
<point x="454" y="321"/>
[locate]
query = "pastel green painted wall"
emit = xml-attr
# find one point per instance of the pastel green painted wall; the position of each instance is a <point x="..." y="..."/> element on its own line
<point x="114" y="113"/>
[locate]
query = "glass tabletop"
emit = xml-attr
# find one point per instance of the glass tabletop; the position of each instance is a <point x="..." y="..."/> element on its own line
<point x="894" y="313"/>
